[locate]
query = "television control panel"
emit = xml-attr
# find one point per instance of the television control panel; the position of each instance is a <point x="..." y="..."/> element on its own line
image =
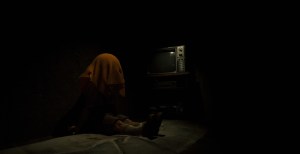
<point x="180" y="57"/>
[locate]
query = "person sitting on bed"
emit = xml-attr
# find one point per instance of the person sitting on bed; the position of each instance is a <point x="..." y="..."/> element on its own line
<point x="101" y="107"/>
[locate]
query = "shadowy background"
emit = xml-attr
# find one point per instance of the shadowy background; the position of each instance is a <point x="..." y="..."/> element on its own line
<point x="43" y="59"/>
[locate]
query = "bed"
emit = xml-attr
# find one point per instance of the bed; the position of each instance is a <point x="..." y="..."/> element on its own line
<point x="175" y="137"/>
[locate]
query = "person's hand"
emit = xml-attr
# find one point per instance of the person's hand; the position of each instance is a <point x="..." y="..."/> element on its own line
<point x="73" y="129"/>
<point x="119" y="126"/>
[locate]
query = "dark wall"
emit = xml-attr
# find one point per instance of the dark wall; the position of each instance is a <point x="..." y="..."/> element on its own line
<point x="41" y="84"/>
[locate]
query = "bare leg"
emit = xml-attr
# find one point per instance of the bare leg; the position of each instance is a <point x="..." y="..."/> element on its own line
<point x="123" y="125"/>
<point x="133" y="123"/>
<point x="127" y="120"/>
<point x="128" y="129"/>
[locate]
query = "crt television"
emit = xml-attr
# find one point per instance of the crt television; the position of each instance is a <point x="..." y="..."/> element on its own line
<point x="167" y="60"/>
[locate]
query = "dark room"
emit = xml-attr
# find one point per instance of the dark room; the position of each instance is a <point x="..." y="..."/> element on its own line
<point x="41" y="85"/>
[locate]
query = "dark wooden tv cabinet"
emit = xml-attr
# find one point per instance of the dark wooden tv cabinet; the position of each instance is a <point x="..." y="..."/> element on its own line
<point x="169" y="92"/>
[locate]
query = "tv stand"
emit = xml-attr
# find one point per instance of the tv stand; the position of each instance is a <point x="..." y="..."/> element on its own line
<point x="168" y="81"/>
<point x="168" y="74"/>
<point x="169" y="92"/>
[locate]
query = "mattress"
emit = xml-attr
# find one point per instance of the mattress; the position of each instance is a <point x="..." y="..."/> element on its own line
<point x="175" y="137"/>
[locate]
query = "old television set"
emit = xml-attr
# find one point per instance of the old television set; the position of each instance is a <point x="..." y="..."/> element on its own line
<point x="167" y="60"/>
